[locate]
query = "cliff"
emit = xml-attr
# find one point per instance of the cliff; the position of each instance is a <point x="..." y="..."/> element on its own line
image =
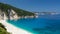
<point x="9" y="12"/>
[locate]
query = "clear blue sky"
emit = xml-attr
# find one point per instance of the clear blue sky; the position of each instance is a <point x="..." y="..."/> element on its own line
<point x="35" y="5"/>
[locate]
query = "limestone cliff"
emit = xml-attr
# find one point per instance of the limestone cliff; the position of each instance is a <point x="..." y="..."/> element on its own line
<point x="10" y="12"/>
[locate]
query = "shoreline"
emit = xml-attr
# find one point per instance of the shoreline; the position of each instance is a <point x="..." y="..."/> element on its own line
<point x="12" y="29"/>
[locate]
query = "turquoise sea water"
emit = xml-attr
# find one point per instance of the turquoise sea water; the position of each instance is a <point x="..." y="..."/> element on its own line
<point x="46" y="24"/>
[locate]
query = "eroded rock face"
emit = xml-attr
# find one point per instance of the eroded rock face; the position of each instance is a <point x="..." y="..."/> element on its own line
<point x="11" y="15"/>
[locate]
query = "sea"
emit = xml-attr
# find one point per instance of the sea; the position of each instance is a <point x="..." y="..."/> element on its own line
<point x="44" y="24"/>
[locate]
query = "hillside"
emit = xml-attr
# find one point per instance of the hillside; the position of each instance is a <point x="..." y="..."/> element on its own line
<point x="20" y="12"/>
<point x="13" y="12"/>
<point x="3" y="30"/>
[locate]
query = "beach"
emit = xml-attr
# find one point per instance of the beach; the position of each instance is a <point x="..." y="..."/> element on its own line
<point x="13" y="29"/>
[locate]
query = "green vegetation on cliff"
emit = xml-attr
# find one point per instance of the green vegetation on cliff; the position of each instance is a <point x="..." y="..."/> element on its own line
<point x="20" y="12"/>
<point x="3" y="30"/>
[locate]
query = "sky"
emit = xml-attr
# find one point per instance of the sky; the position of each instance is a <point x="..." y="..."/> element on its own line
<point x="35" y="5"/>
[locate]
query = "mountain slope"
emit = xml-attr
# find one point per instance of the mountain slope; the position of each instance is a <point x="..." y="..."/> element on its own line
<point x="13" y="12"/>
<point x="20" y="12"/>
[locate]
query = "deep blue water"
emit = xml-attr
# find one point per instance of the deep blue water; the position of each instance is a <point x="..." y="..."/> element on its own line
<point x="46" y="24"/>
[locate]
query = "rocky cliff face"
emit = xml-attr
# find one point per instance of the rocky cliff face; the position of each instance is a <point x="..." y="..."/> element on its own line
<point x="11" y="15"/>
<point x="10" y="12"/>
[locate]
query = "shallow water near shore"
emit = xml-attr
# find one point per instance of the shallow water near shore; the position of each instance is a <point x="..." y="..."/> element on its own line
<point x="46" y="24"/>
